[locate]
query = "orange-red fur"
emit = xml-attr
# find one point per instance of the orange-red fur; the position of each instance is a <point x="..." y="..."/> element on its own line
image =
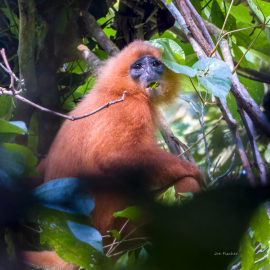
<point x="119" y="137"/>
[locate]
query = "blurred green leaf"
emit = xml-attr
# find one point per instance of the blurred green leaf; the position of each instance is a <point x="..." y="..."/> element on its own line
<point x="132" y="212"/>
<point x="29" y="157"/>
<point x="115" y="234"/>
<point x="247" y="252"/>
<point x="6" y="107"/>
<point x="74" y="242"/>
<point x="14" y="21"/>
<point x="260" y="225"/>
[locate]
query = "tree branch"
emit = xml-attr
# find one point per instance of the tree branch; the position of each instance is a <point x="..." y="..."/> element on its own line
<point x="221" y="103"/>
<point x="72" y="118"/>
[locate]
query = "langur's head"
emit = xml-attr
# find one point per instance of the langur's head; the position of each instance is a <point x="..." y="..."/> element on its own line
<point x="149" y="72"/>
<point x="138" y="69"/>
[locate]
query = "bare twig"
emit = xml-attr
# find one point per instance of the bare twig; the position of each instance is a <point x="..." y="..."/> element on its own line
<point x="72" y="118"/>
<point x="109" y="252"/>
<point x="184" y="147"/>
<point x="227" y="15"/>
<point x="216" y="165"/>
<point x="205" y="144"/>
<point x="246" y="51"/>
<point x="127" y="240"/>
<point x="225" y="174"/>
<point x="253" y="74"/>
<point x="9" y="72"/>
<point x="132" y="248"/>
<point x="215" y="126"/>
<point x="114" y="241"/>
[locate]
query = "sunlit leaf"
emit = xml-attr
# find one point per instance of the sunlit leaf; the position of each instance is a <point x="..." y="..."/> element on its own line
<point x="214" y="75"/>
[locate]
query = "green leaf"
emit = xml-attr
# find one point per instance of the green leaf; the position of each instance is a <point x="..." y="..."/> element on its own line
<point x="214" y="75"/>
<point x="172" y="56"/>
<point x="247" y="252"/>
<point x="14" y="21"/>
<point x="262" y="11"/>
<point x="100" y="54"/>
<point x="115" y="234"/>
<point x="168" y="197"/>
<point x="6" y="107"/>
<point x="11" y="129"/>
<point x="260" y="225"/>
<point x="122" y="261"/>
<point x="143" y="255"/>
<point x="255" y="89"/>
<point x="30" y="158"/>
<point x="217" y="16"/>
<point x="237" y="56"/>
<point x="132" y="212"/>
<point x="231" y="103"/>
<point x="74" y="242"/>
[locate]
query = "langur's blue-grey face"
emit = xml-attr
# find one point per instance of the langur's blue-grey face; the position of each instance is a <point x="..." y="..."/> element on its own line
<point x="148" y="70"/>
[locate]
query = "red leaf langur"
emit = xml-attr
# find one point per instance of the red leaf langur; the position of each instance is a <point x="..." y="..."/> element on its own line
<point x="121" y="136"/>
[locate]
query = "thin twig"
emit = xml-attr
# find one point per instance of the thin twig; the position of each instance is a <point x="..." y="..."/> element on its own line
<point x="225" y="174"/>
<point x="216" y="125"/>
<point x="227" y="15"/>
<point x="246" y="51"/>
<point x="114" y="241"/>
<point x="133" y="248"/>
<point x="127" y="240"/>
<point x="216" y="165"/>
<point x="71" y="118"/>
<point x="108" y="253"/>
<point x="205" y="144"/>
<point x="233" y="31"/>
<point x="9" y="72"/>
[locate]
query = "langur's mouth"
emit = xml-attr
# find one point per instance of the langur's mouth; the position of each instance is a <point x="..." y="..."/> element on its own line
<point x="153" y="90"/>
<point x="153" y="86"/>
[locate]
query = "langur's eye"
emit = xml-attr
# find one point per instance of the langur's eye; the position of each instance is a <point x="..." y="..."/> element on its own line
<point x="138" y="66"/>
<point x="156" y="64"/>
